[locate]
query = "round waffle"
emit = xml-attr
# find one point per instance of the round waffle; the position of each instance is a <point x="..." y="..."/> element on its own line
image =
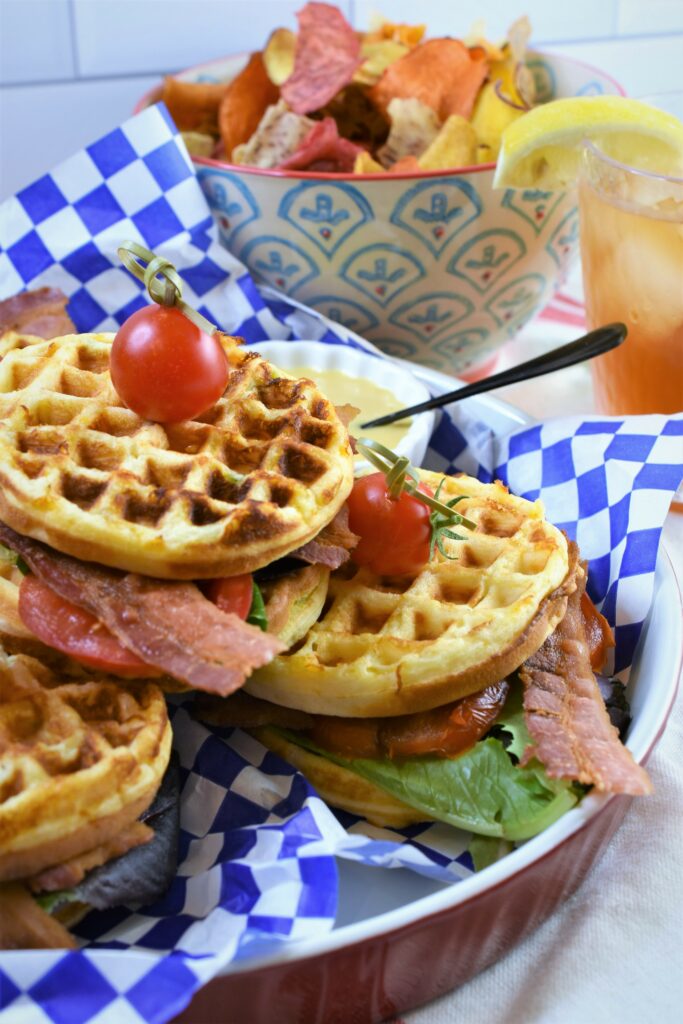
<point x="79" y="762"/>
<point x="340" y="787"/>
<point x="391" y="646"/>
<point x="258" y="475"/>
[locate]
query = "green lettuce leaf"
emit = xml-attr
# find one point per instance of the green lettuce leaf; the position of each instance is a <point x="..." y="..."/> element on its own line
<point x="257" y="613"/>
<point x="485" y="850"/>
<point x="483" y="790"/>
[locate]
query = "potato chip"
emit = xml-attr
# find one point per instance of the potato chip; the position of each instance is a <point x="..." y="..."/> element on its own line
<point x="278" y="56"/>
<point x="199" y="144"/>
<point x="244" y="103"/>
<point x="326" y="58"/>
<point x="280" y="133"/>
<point x="194" y="105"/>
<point x="366" y="164"/>
<point x="377" y="55"/>
<point x="454" y="146"/>
<point x="324" y="150"/>
<point x="414" y="126"/>
<point x="442" y="73"/>
<point x="492" y="114"/>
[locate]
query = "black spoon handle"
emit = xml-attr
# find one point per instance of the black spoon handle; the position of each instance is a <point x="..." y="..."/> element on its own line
<point x="595" y="343"/>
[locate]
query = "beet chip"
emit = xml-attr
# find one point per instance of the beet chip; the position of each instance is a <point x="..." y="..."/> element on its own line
<point x="323" y="149"/>
<point x="327" y="55"/>
<point x="442" y="73"/>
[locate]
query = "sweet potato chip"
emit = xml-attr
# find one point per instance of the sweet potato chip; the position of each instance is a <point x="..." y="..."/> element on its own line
<point x="246" y="100"/>
<point x="414" y="126"/>
<point x="323" y="150"/>
<point x="278" y="56"/>
<point x="454" y="146"/>
<point x="365" y="164"/>
<point x="327" y="55"/>
<point x="442" y="73"/>
<point x="194" y="105"/>
<point x="409" y="35"/>
<point x="279" y="134"/>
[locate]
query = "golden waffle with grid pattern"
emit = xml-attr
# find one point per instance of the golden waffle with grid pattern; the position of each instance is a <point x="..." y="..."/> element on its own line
<point x="390" y="646"/>
<point x="79" y="762"/>
<point x="258" y="475"/>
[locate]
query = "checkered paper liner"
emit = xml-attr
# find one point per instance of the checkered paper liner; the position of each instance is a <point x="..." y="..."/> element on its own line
<point x="257" y="846"/>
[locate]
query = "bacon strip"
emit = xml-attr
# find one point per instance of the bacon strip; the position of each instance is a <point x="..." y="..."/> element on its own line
<point x="332" y="545"/>
<point x="25" y="925"/>
<point x="69" y="873"/>
<point x="170" y="625"/>
<point x="566" y="716"/>
<point x="41" y="312"/>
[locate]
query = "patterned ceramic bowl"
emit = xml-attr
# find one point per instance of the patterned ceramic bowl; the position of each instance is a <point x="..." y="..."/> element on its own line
<point x="434" y="267"/>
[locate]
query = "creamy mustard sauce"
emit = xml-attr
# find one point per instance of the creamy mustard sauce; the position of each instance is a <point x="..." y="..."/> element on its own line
<point x="370" y="398"/>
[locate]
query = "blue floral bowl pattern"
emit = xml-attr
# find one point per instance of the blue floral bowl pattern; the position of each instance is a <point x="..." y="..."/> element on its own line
<point x="433" y="267"/>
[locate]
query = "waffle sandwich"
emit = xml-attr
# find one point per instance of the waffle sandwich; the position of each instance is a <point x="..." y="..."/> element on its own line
<point x="120" y="517"/>
<point x="80" y="762"/>
<point x="463" y="691"/>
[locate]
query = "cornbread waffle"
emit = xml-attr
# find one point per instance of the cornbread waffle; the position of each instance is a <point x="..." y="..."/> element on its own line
<point x="79" y="762"/>
<point x="390" y="646"/>
<point x="340" y="787"/>
<point x="258" y="475"/>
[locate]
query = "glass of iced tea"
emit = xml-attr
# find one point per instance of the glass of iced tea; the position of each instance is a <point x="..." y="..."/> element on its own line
<point x="632" y="259"/>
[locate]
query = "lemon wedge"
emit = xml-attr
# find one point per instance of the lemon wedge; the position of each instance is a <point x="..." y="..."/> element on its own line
<point x="542" y="149"/>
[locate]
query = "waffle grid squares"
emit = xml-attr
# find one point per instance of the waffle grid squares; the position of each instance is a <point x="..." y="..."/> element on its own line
<point x="270" y="462"/>
<point x="384" y="645"/>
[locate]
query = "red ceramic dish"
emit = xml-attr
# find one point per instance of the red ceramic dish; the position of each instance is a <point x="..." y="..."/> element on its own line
<point x="415" y="951"/>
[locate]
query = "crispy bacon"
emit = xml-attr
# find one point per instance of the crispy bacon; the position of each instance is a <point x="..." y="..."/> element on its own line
<point x="70" y="872"/>
<point x="332" y="545"/>
<point x="566" y="716"/>
<point x="25" y="925"/>
<point x="170" y="625"/>
<point x="41" y="312"/>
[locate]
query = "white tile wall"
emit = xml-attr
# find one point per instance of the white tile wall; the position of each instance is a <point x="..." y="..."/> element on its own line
<point x="72" y="69"/>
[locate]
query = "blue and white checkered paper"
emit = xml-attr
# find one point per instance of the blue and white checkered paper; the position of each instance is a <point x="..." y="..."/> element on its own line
<point x="258" y="847"/>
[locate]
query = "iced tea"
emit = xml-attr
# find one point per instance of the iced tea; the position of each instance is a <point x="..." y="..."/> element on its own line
<point x="632" y="257"/>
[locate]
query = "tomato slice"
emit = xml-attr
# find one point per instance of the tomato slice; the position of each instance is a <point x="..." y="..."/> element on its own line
<point x="75" y="632"/>
<point x="442" y="732"/>
<point x="598" y="632"/>
<point x="231" y="593"/>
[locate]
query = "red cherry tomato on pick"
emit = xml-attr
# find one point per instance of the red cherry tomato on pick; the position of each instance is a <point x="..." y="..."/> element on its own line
<point x="231" y="593"/>
<point x="394" y="534"/>
<point x="164" y="367"/>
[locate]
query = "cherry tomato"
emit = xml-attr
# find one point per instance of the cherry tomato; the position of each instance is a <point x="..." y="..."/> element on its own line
<point x="75" y="632"/>
<point x="231" y="594"/>
<point x="394" y="534"/>
<point x="164" y="367"/>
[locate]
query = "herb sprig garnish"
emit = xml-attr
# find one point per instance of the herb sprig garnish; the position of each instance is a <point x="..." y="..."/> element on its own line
<point x="402" y="476"/>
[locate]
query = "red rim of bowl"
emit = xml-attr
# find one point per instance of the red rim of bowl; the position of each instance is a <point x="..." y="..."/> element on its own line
<point x="205" y="161"/>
